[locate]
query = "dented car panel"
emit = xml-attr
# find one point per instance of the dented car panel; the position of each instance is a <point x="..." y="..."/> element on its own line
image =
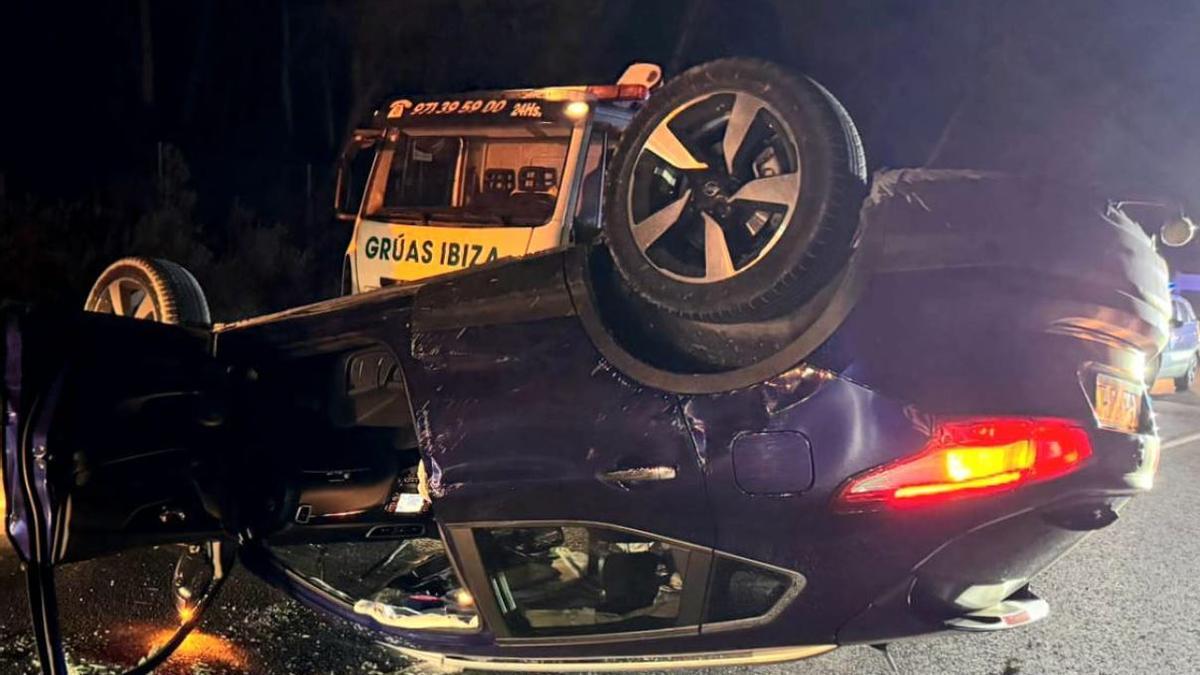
<point x="469" y="389"/>
<point x="541" y="456"/>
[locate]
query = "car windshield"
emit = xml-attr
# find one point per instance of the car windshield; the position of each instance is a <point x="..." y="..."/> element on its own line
<point x="497" y="175"/>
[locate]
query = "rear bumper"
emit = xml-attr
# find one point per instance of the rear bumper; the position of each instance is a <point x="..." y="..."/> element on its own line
<point x="986" y="564"/>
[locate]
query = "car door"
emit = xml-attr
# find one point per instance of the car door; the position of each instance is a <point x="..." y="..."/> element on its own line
<point x="106" y="424"/>
<point x="471" y="423"/>
<point x="520" y="417"/>
<point x="544" y="460"/>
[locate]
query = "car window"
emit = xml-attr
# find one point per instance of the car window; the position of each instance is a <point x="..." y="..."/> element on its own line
<point x="741" y="589"/>
<point x="510" y="177"/>
<point x="577" y="580"/>
<point x="1188" y="313"/>
<point x="409" y="584"/>
<point x="424" y="173"/>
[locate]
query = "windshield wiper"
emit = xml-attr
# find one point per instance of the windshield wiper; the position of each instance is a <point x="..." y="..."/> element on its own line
<point x="456" y="215"/>
<point x="422" y="216"/>
<point x="524" y="221"/>
<point x="482" y="218"/>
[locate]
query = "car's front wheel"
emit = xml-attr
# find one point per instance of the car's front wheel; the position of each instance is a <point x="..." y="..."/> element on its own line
<point x="149" y="288"/>
<point x="735" y="193"/>
<point x="1184" y="382"/>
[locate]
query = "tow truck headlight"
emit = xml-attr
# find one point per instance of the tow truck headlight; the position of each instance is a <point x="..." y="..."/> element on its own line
<point x="576" y="110"/>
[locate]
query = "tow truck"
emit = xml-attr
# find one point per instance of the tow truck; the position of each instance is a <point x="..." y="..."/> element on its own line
<point x="470" y="179"/>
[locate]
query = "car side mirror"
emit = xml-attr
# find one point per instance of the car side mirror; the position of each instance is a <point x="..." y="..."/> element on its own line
<point x="353" y="167"/>
<point x="200" y="572"/>
<point x="1177" y="231"/>
<point x="345" y="205"/>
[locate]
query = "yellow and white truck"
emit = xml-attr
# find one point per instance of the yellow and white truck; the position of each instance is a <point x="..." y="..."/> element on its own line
<point x="464" y="180"/>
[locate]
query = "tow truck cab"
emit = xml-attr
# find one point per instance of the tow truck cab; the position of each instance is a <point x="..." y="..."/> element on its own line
<point x="463" y="180"/>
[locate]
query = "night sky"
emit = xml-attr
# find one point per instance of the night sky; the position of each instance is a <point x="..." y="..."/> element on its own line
<point x="245" y="104"/>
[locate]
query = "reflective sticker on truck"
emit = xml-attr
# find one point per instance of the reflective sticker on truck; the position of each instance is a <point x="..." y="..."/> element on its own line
<point x="404" y="111"/>
<point x="413" y="252"/>
<point x="425" y="251"/>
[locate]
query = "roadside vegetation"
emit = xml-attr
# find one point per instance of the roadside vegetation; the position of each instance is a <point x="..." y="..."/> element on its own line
<point x="51" y="251"/>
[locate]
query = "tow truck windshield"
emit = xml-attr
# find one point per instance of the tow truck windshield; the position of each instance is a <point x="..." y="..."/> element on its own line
<point x="497" y="175"/>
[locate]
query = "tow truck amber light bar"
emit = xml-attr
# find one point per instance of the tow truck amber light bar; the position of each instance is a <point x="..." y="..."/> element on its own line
<point x="969" y="458"/>
<point x="619" y="92"/>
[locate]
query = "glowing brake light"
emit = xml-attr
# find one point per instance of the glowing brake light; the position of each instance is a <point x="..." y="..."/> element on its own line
<point x="971" y="457"/>
<point x="619" y="92"/>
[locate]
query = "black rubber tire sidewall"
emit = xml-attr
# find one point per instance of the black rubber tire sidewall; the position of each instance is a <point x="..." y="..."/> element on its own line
<point x="177" y="296"/>
<point x="821" y="231"/>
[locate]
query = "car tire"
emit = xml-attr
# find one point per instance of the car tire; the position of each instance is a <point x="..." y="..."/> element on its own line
<point x="1184" y="382"/>
<point x="149" y="288"/>
<point x="735" y="193"/>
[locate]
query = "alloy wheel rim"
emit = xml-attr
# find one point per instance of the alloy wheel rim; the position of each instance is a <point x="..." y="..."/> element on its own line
<point x="714" y="187"/>
<point x="126" y="297"/>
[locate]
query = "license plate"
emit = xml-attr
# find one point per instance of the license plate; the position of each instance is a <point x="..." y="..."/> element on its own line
<point x="1118" y="403"/>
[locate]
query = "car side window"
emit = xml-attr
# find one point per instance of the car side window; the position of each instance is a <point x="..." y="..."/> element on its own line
<point x="573" y="580"/>
<point x="409" y="584"/>
<point x="1189" y="314"/>
<point x="741" y="590"/>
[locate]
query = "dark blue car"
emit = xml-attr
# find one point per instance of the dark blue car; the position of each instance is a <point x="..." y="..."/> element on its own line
<point x="493" y="470"/>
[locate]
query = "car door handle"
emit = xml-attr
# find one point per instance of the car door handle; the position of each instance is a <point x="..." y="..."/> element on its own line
<point x="644" y="474"/>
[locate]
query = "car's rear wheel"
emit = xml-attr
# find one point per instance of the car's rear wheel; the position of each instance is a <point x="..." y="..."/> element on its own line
<point x="735" y="193"/>
<point x="149" y="288"/>
<point x="1184" y="382"/>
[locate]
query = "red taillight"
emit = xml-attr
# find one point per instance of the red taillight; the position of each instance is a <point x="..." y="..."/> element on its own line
<point x="972" y="457"/>
<point x="619" y="92"/>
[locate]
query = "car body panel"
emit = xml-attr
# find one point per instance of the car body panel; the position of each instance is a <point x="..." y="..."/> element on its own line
<point x="488" y="458"/>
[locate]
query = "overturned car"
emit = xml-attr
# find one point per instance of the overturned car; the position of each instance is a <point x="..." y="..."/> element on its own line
<point x="764" y="413"/>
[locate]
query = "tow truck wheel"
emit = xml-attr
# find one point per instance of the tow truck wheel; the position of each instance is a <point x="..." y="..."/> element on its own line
<point x="149" y="288"/>
<point x="735" y="192"/>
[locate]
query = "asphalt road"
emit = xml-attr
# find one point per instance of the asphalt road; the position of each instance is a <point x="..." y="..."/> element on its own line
<point x="1125" y="601"/>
